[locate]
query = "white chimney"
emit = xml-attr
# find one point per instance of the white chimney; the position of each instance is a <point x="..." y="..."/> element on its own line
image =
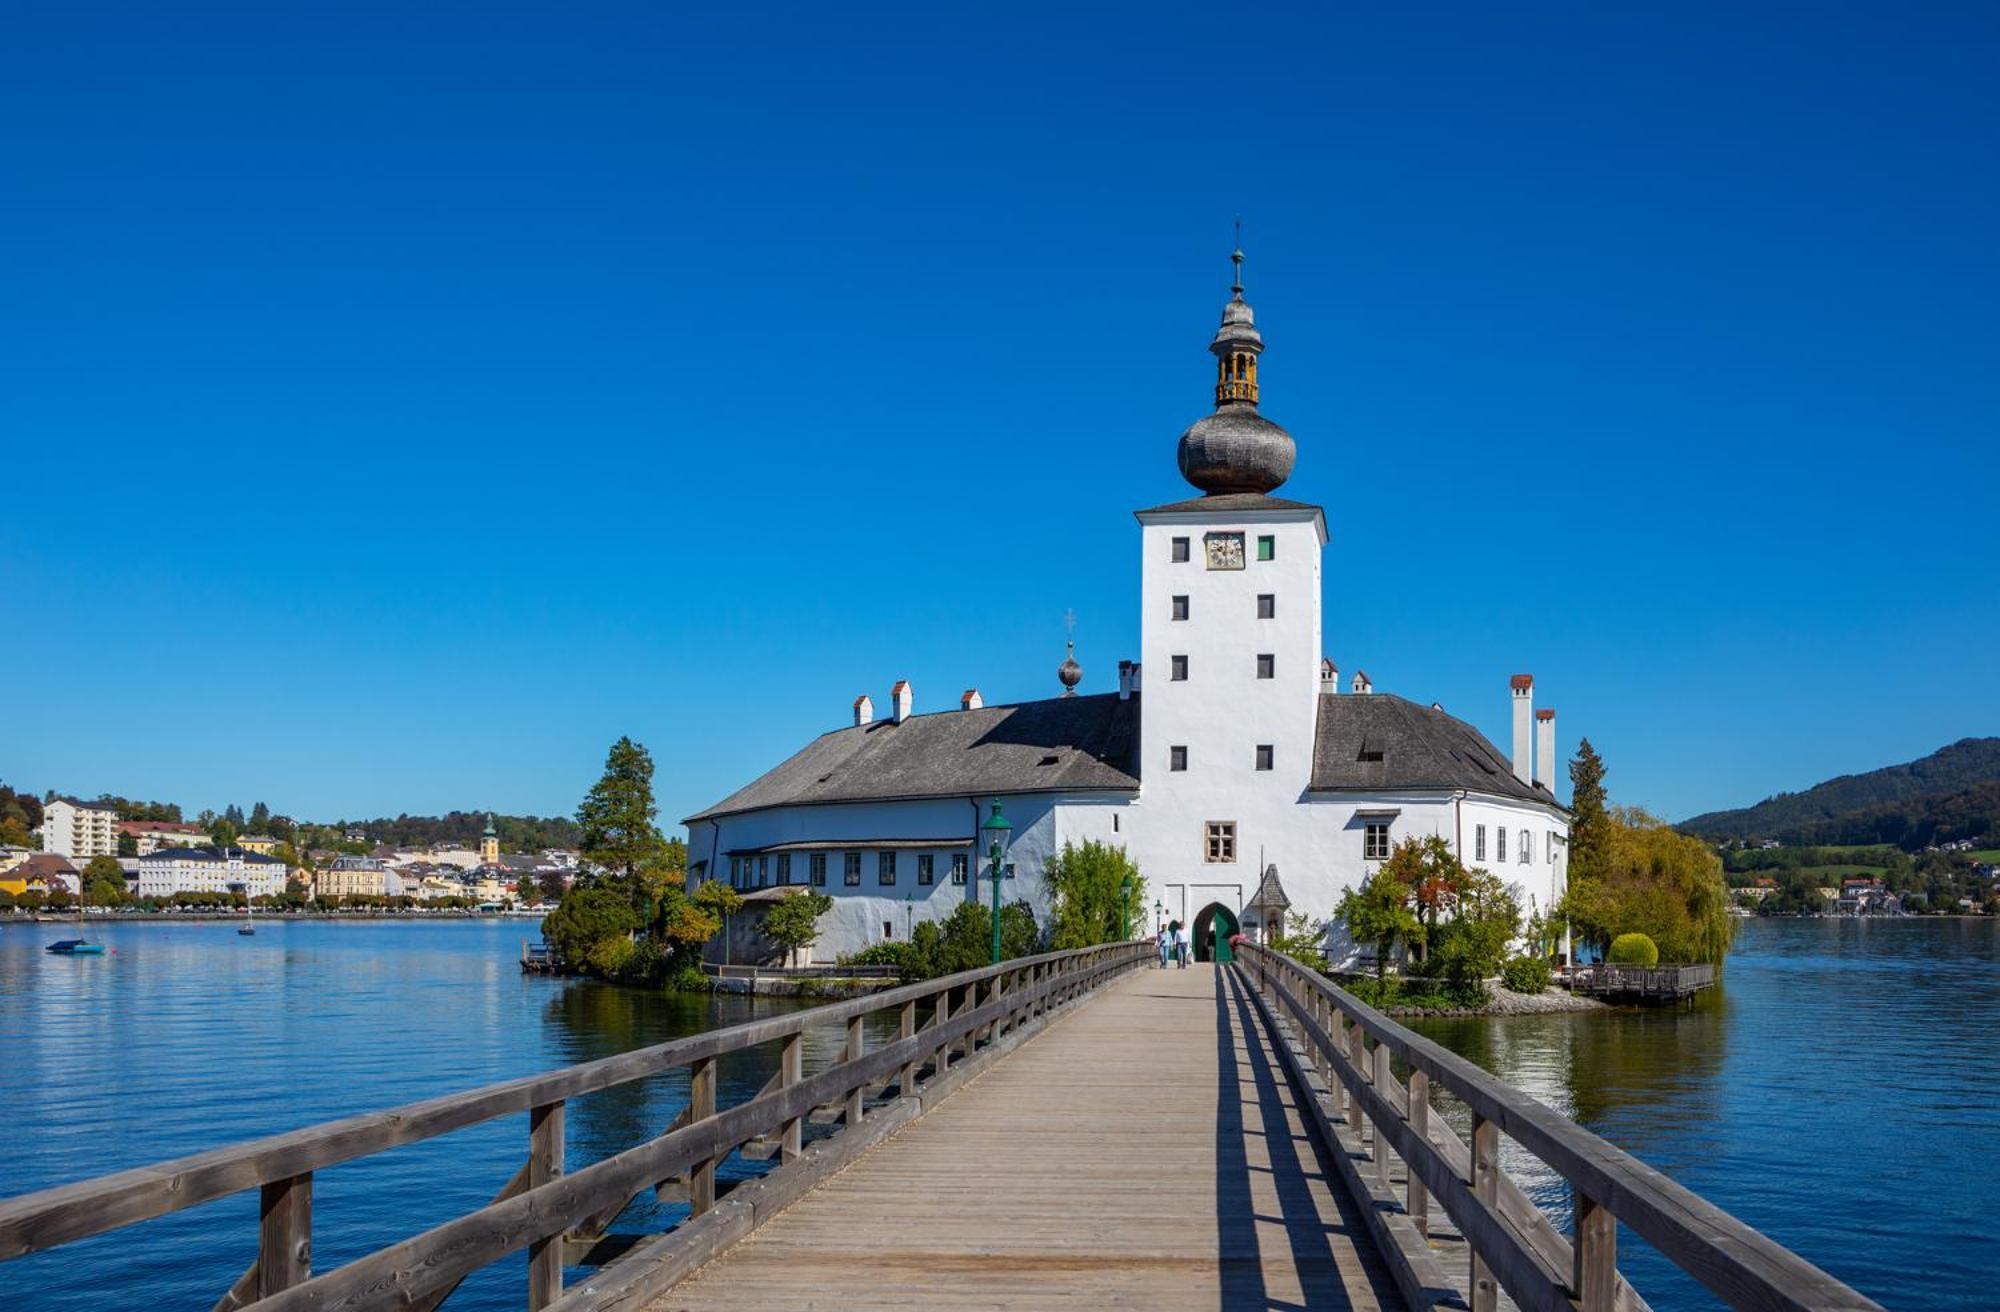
<point x="864" y="710"/>
<point x="1545" y="749"/>
<point x="970" y="700"/>
<point x="1329" y="677"/>
<point x="1361" y="683"/>
<point x="899" y="701"/>
<point x="1124" y="681"/>
<point x="1524" y="717"/>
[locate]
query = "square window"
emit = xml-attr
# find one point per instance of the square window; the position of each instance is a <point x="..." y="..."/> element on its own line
<point x="1264" y="756"/>
<point x="958" y="867"/>
<point x="1180" y="608"/>
<point x="1221" y="842"/>
<point x="850" y="874"/>
<point x="1479" y="842"/>
<point x="1375" y="841"/>
<point x="816" y="867"/>
<point x="1267" y="666"/>
<point x="885" y="868"/>
<point x="1180" y="551"/>
<point x="1177" y="758"/>
<point x="1267" y="547"/>
<point x="1179" y="672"/>
<point x="1500" y="843"/>
<point x="1267" y="606"/>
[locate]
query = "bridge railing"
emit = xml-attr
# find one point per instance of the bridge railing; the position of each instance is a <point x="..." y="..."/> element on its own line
<point x="560" y="1216"/>
<point x="1513" y="1244"/>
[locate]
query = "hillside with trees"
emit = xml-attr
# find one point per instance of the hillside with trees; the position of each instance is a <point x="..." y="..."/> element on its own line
<point x="1953" y="793"/>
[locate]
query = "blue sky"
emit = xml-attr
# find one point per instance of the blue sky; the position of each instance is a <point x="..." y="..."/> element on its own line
<point x="401" y="402"/>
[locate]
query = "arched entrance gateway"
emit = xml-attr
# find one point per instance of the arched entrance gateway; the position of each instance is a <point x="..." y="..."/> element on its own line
<point x="1212" y="930"/>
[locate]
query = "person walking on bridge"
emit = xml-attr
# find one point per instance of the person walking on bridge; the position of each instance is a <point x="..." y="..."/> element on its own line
<point x="1180" y="944"/>
<point x="1165" y="941"/>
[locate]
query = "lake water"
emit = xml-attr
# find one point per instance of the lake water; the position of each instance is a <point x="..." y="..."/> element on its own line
<point x="1837" y="1093"/>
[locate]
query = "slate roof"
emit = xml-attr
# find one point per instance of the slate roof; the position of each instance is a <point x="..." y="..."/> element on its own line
<point x="1406" y="746"/>
<point x="1229" y="501"/>
<point x="1064" y="744"/>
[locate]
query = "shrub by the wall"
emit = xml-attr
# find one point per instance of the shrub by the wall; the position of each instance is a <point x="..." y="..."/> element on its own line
<point x="1633" y="950"/>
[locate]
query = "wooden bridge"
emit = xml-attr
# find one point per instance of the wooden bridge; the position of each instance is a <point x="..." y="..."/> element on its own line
<point x="1076" y="1130"/>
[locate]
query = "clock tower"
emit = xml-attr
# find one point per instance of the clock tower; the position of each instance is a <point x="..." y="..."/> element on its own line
<point x="1230" y="646"/>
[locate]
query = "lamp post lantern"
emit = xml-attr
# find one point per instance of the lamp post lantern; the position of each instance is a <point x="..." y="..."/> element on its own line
<point x="996" y="830"/>
<point x="1125" y="908"/>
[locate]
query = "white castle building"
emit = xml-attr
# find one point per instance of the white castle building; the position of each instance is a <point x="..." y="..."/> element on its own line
<point x="1241" y="764"/>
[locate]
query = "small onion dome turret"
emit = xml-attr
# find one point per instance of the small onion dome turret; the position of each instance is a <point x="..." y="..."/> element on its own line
<point x="1236" y="449"/>
<point x="1069" y="672"/>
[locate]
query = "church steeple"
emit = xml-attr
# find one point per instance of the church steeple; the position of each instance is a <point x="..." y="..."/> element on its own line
<point x="489" y="843"/>
<point x="1236" y="449"/>
<point x="1237" y="345"/>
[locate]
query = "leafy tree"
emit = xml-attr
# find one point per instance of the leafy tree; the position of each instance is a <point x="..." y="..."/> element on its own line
<point x="587" y="917"/>
<point x="1471" y="946"/>
<point x="1300" y="939"/>
<point x="1435" y="881"/>
<point x="1666" y="885"/>
<point x="128" y="845"/>
<point x="1378" y="913"/>
<point x="553" y="886"/>
<point x="31" y="900"/>
<point x="61" y="899"/>
<point x="966" y="941"/>
<point x="793" y="923"/>
<point x="1086" y="898"/>
<point x="527" y="888"/>
<point x="1590" y="822"/>
<point x="103" y="882"/>
<point x="14" y="833"/>
<point x="223" y="833"/>
<point x="6" y="900"/>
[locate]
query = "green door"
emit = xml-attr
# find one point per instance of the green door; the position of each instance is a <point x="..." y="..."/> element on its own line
<point x="1212" y="931"/>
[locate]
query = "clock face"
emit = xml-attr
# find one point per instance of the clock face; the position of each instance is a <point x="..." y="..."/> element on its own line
<point x="1225" y="550"/>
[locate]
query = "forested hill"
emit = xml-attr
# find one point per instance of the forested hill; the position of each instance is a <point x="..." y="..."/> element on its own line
<point x="1952" y="793"/>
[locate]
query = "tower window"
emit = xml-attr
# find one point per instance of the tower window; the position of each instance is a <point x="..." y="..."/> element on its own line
<point x="1263" y="756"/>
<point x="1177" y="758"/>
<point x="1267" y="665"/>
<point x="1180" y="551"/>
<point x="958" y="867"/>
<point x="1267" y="547"/>
<point x="763" y="871"/>
<point x="1479" y="842"/>
<point x="850" y="874"/>
<point x="1220" y="847"/>
<point x="1180" y="608"/>
<point x="1527" y="848"/>
<point x="784" y="867"/>
<point x="885" y="868"/>
<point x="1375" y="841"/>
<point x="926" y="868"/>
<point x="1500" y="842"/>
<point x="816" y="868"/>
<point x="1179" y="672"/>
<point x="1267" y="606"/>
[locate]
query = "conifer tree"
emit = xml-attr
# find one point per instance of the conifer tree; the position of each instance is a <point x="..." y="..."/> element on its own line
<point x="1590" y="823"/>
<point x="619" y="835"/>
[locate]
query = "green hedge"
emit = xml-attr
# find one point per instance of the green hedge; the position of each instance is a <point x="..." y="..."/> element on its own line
<point x="1633" y="950"/>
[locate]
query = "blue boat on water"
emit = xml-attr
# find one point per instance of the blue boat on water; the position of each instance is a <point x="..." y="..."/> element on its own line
<point x="75" y="947"/>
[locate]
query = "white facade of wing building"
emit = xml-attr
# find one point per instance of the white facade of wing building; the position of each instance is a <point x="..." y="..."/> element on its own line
<point x="1231" y="746"/>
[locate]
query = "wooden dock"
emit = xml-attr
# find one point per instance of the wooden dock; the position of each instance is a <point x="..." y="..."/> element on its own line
<point x="1642" y="983"/>
<point x="1146" y="1152"/>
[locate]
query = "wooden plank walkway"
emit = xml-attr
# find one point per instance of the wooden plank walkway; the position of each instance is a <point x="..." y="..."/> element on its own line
<point x="1144" y="1152"/>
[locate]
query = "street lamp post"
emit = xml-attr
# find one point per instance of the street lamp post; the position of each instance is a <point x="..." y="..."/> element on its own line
<point x="1125" y="908"/>
<point x="996" y="830"/>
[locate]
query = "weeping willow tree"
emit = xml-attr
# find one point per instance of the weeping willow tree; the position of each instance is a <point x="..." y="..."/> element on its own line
<point x="1651" y="880"/>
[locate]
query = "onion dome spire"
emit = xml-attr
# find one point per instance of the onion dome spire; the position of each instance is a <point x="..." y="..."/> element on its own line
<point x="1236" y="449"/>
<point x="1069" y="672"/>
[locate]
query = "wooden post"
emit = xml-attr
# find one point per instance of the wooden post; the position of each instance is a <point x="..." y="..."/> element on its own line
<point x="284" y="1234"/>
<point x="1357" y="1053"/>
<point x="1385" y="1076"/>
<point x="792" y="1069"/>
<point x="1485" y="1184"/>
<point x="545" y="1163"/>
<point x="907" y="1029"/>
<point x="701" y="1106"/>
<point x="854" y="1054"/>
<point x="1595" y="1246"/>
<point x="1416" y="1199"/>
<point x="942" y="1015"/>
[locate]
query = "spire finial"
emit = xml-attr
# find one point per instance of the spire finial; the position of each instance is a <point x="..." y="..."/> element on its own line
<point x="1069" y="673"/>
<point x="1236" y="258"/>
